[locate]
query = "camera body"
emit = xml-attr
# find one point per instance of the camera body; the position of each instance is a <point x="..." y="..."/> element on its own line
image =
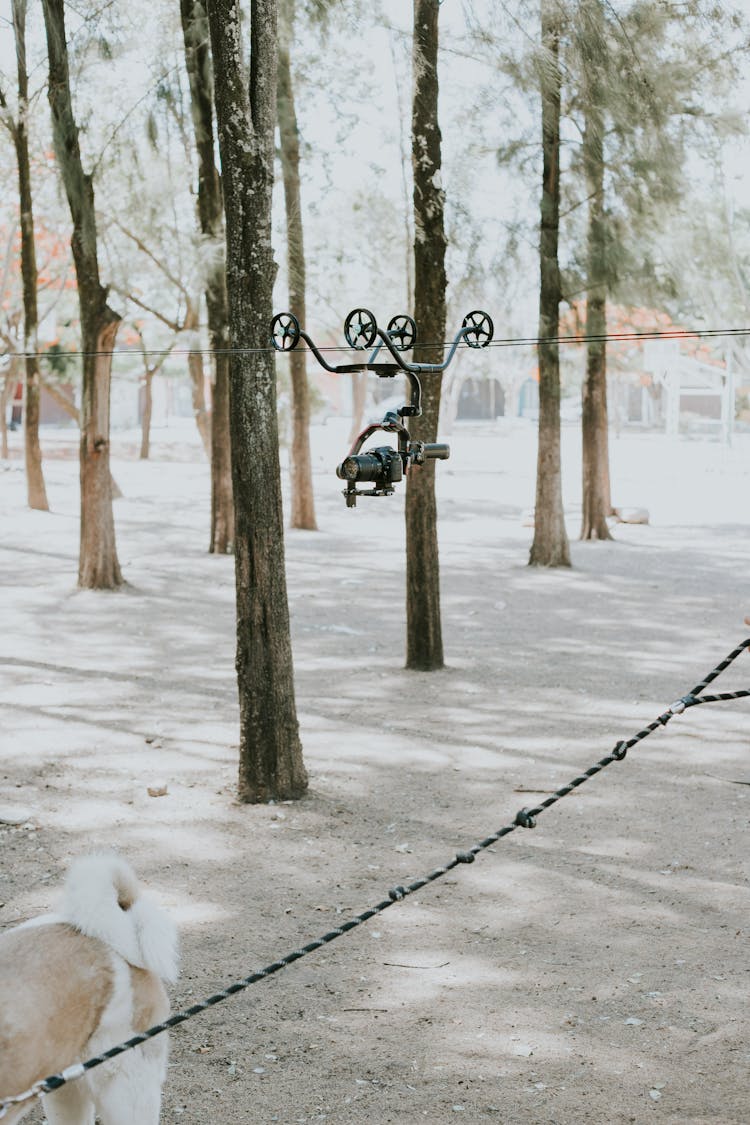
<point x="385" y="466"/>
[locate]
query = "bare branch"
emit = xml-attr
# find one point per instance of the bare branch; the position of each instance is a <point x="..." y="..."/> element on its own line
<point x="173" y="325"/>
<point x="160" y="265"/>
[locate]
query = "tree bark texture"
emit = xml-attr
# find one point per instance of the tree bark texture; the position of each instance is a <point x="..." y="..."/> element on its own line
<point x="550" y="546"/>
<point x="271" y="765"/>
<point x="8" y="390"/>
<point x="98" y="567"/>
<point x="211" y="219"/>
<point x="359" y="401"/>
<point x="35" y="486"/>
<point x="597" y="501"/>
<point x="197" y="374"/>
<point x="303" y="504"/>
<point x="424" y="642"/>
<point x="146" y="413"/>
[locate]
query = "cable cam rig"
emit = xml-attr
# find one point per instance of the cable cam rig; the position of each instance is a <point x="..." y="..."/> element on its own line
<point x="384" y="466"/>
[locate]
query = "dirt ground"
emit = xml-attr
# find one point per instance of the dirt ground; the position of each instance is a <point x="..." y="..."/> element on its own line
<point x="593" y="970"/>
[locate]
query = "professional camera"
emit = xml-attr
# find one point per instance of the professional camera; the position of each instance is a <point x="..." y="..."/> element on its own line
<point x="382" y="467"/>
<point x="385" y="466"/>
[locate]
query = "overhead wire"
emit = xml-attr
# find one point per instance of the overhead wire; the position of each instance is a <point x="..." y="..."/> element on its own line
<point x="655" y="335"/>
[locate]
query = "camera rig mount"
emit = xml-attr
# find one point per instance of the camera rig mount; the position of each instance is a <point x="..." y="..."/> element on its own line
<point x="384" y="466"/>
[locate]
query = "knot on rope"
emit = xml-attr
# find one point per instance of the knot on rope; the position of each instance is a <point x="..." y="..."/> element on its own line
<point x="465" y="857"/>
<point x="524" y="819"/>
<point x="679" y="705"/>
<point x="620" y="751"/>
<point x="395" y="894"/>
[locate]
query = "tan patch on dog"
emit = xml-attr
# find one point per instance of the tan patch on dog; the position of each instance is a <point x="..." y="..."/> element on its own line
<point x="54" y="986"/>
<point x="150" y="1002"/>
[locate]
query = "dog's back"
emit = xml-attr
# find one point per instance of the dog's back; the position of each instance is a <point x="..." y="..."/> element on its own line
<point x="55" y="984"/>
<point x="74" y="984"/>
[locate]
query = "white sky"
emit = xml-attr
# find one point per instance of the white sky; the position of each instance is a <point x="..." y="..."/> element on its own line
<point x="361" y="162"/>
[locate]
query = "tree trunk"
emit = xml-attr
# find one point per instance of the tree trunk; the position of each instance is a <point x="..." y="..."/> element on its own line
<point x="35" y="487"/>
<point x="550" y="546"/>
<point x="9" y="389"/>
<point x="597" y="502"/>
<point x="198" y="394"/>
<point x="271" y="765"/>
<point x="424" y="642"/>
<point x="359" y="400"/>
<point x="198" y="380"/>
<point x="303" y="504"/>
<point x="222" y="501"/>
<point x="211" y="218"/>
<point x="98" y="566"/>
<point x="148" y="408"/>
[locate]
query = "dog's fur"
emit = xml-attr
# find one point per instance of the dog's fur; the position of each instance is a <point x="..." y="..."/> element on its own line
<point x="74" y="984"/>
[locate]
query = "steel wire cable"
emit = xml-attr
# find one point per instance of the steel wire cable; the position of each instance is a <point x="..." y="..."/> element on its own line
<point x="503" y="342"/>
<point x="525" y="818"/>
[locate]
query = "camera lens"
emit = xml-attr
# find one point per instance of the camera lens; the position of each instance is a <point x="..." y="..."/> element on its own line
<point x="348" y="469"/>
<point x="362" y="467"/>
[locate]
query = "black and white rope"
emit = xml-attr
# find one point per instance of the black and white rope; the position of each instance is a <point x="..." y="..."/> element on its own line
<point x="525" y="818"/>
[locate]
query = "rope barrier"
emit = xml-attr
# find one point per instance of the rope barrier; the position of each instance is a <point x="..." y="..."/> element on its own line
<point x="525" y="818"/>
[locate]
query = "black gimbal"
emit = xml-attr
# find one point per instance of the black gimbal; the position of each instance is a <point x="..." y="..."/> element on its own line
<point x="384" y="466"/>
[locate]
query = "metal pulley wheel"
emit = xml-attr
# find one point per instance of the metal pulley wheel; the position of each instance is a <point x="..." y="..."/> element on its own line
<point x="285" y="332"/>
<point x="360" y="329"/>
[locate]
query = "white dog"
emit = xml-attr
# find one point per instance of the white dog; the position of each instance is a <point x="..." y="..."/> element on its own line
<point x="74" y="984"/>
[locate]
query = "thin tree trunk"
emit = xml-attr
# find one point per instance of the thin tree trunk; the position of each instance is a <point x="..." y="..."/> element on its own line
<point x="222" y="501"/>
<point x="550" y="546"/>
<point x="403" y="152"/>
<point x="36" y="490"/>
<point x="359" y="399"/>
<point x="597" y="502"/>
<point x="149" y="371"/>
<point x="198" y="380"/>
<point x="98" y="566"/>
<point x="271" y="765"/>
<point x="424" y="641"/>
<point x="303" y="504"/>
<point x="35" y="487"/>
<point x="198" y="393"/>
<point x="9" y="387"/>
<point x="211" y="218"/>
<point x="146" y="413"/>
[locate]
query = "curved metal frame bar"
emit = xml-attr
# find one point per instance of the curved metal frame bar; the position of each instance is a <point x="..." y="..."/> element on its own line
<point x="387" y="370"/>
<point x="417" y="368"/>
<point x="321" y="360"/>
<point x="412" y="371"/>
<point x="414" y="409"/>
<point x="391" y="424"/>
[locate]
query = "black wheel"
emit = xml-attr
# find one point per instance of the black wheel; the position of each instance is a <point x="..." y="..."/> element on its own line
<point x="360" y="329"/>
<point x="402" y="332"/>
<point x="285" y="332"/>
<point x="481" y="329"/>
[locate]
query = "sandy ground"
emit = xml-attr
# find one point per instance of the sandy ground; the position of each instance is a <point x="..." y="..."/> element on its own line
<point x="592" y="970"/>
